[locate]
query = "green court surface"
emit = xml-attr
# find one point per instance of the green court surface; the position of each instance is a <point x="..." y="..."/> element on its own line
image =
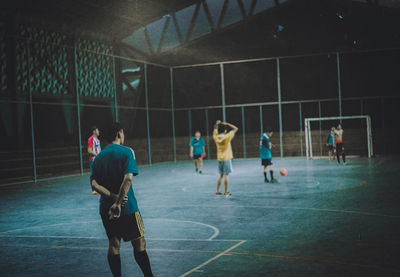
<point x="322" y="219"/>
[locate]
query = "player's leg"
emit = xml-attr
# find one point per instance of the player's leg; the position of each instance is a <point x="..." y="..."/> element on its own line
<point x="226" y="183"/>
<point x="113" y="257"/>
<point x="265" y="174"/>
<point x="200" y="162"/>
<point x="195" y="160"/>
<point x="329" y="154"/>
<point x="271" y="172"/>
<point x="141" y="257"/>
<point x="221" y="176"/>
<point x="343" y="155"/>
<point x="338" y="151"/>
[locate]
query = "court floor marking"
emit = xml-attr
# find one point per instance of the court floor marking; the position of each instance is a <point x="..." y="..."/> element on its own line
<point x="309" y="259"/>
<point x="105" y="238"/>
<point x="286" y="208"/>
<point x="213" y="236"/>
<point x="212" y="259"/>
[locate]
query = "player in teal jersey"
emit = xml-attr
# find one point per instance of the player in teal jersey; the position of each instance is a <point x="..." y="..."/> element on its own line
<point x="266" y="155"/>
<point x="112" y="175"/>
<point x="197" y="151"/>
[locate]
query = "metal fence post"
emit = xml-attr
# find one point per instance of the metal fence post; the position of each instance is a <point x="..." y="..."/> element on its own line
<point x="261" y="120"/>
<point x="278" y="69"/>
<point x="147" y="112"/>
<point x="339" y="83"/>
<point x="207" y="134"/>
<point x="243" y="132"/>
<point x="301" y="129"/>
<point x="79" y="109"/>
<point x="171" y="76"/>
<point x="221" y="66"/>
<point x="115" y="92"/>
<point x="31" y="113"/>
<point x="190" y="122"/>
<point x="320" y="128"/>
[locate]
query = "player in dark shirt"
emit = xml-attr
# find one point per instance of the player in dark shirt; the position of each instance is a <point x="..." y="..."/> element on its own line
<point x="112" y="175"/>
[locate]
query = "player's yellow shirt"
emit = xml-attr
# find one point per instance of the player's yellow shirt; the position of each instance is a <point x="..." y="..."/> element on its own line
<point x="224" y="147"/>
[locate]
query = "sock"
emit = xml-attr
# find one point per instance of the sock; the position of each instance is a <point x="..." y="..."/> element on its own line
<point x="115" y="264"/>
<point x="272" y="174"/>
<point x="265" y="175"/>
<point x="144" y="263"/>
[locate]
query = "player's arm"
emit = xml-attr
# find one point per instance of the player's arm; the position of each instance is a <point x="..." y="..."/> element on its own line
<point x="215" y="133"/>
<point x="191" y="151"/>
<point x="204" y="151"/>
<point x="105" y="192"/>
<point x="233" y="127"/>
<point x="91" y="152"/>
<point x="115" y="209"/>
<point x="90" y="147"/>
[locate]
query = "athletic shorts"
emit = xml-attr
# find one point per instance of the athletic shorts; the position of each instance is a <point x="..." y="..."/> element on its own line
<point x="330" y="147"/>
<point x="339" y="146"/>
<point x="225" y="167"/>
<point x="266" y="162"/>
<point x="128" y="227"/>
<point x="196" y="157"/>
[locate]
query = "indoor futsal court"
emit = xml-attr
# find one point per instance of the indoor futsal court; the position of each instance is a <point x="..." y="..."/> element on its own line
<point x="199" y="138"/>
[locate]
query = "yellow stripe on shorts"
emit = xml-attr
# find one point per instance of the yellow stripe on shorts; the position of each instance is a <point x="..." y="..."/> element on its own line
<point x="139" y="223"/>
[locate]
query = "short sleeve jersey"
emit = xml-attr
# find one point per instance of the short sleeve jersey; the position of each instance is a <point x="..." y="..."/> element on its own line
<point x="94" y="144"/>
<point x="224" y="147"/>
<point x="197" y="145"/>
<point x="265" y="151"/>
<point x="331" y="138"/>
<point x="109" y="169"/>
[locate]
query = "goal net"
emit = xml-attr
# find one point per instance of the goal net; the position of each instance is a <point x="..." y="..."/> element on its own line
<point x="357" y="135"/>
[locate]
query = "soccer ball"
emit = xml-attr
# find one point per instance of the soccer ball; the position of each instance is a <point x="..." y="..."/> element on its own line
<point x="283" y="172"/>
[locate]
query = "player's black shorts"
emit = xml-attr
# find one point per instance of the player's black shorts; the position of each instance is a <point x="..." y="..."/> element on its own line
<point x="196" y="157"/>
<point x="266" y="162"/>
<point x="128" y="227"/>
<point x="339" y="146"/>
<point x="330" y="147"/>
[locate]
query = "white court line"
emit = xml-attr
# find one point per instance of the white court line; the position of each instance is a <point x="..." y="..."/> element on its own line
<point x="213" y="236"/>
<point x="285" y="208"/>
<point x="105" y="238"/>
<point x="50" y="225"/>
<point x="212" y="259"/>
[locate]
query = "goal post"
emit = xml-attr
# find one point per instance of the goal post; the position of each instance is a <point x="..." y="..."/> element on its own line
<point x="308" y="137"/>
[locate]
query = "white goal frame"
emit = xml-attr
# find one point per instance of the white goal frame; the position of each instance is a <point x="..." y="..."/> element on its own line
<point x="307" y="133"/>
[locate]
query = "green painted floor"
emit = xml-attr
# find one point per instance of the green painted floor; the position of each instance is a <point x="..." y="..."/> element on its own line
<point x="321" y="220"/>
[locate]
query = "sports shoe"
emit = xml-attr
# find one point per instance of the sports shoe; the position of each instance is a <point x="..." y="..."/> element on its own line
<point x="200" y="172"/>
<point x="274" y="181"/>
<point x="218" y="193"/>
<point x="266" y="181"/>
<point x="95" y="192"/>
<point x="227" y="194"/>
<point x="197" y="169"/>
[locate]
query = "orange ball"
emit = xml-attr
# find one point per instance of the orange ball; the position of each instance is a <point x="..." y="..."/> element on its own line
<point x="283" y="172"/>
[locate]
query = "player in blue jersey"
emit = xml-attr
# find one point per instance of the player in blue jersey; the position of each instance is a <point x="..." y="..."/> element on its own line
<point x="330" y="142"/>
<point x="197" y="151"/>
<point x="266" y="155"/>
<point x="112" y="174"/>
